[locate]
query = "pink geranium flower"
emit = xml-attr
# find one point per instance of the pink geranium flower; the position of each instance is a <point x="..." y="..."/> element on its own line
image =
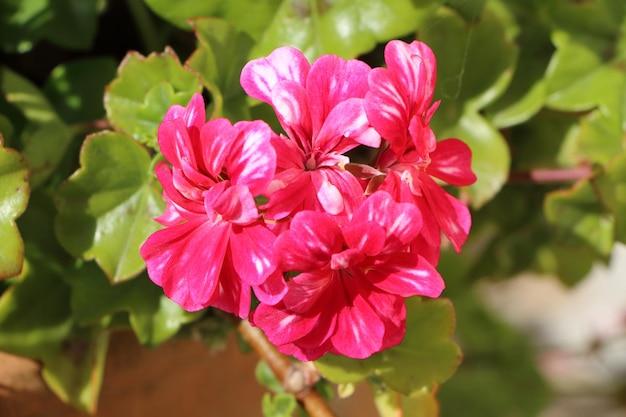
<point x="215" y="246"/>
<point x="398" y="105"/>
<point x="320" y="108"/>
<point x="353" y="276"/>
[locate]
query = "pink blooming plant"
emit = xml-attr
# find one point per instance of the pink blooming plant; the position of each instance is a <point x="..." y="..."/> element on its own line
<point x="348" y="297"/>
<point x="330" y="249"/>
<point x="215" y="246"/>
<point x="398" y="104"/>
<point x="320" y="108"/>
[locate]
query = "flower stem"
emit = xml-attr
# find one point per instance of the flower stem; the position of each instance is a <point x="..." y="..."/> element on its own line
<point x="284" y="370"/>
<point x="556" y="175"/>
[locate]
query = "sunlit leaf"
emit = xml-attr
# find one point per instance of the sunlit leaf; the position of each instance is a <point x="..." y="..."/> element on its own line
<point x="613" y="188"/>
<point x="579" y="218"/>
<point x="45" y="137"/>
<point x="106" y="208"/>
<point x="279" y="405"/>
<point x="68" y="23"/>
<point x="76" y="88"/>
<point x="474" y="64"/>
<point x="425" y="358"/>
<point x="221" y="54"/>
<point x="342" y="27"/>
<point x="14" y="192"/>
<point x="153" y="317"/>
<point x="144" y="89"/>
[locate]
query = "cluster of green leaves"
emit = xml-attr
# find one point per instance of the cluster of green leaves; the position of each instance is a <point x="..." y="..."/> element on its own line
<point x="531" y="85"/>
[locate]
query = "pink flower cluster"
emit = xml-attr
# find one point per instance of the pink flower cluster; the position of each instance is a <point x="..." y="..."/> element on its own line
<point x="329" y="248"/>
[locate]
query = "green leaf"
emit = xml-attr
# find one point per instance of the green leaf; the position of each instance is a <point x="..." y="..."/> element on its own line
<point x="279" y="405"/>
<point x="425" y="358"/>
<point x="45" y="137"/>
<point x="341" y="27"/>
<point x="580" y="219"/>
<point x="106" y="208"/>
<point x="392" y="404"/>
<point x="76" y="88"/>
<point x="70" y="24"/>
<point x="250" y="16"/>
<point x="600" y="18"/>
<point x="612" y="186"/>
<point x="265" y="376"/>
<point x="75" y="371"/>
<point x="221" y="54"/>
<point x="153" y="317"/>
<point x="14" y="193"/>
<point x="474" y="64"/>
<point x="144" y="89"/>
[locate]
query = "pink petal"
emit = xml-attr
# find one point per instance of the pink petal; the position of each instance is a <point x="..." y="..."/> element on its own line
<point x="331" y="81"/>
<point x="451" y="162"/>
<point x="307" y="291"/>
<point x="252" y="160"/>
<point x="346" y="127"/>
<point x="297" y="194"/>
<point x="422" y="138"/>
<point x="217" y="137"/>
<point x="327" y="193"/>
<point x="401" y="221"/>
<point x="259" y="76"/>
<point x="415" y="68"/>
<point x="272" y="290"/>
<point x="233" y="296"/>
<point x="252" y="248"/>
<point x="453" y="217"/>
<point x="186" y="260"/>
<point x="292" y="109"/>
<point x="386" y="108"/>
<point x="368" y="236"/>
<point x="280" y="325"/>
<point x="360" y="330"/>
<point x="235" y="204"/>
<point x="309" y="243"/>
<point x="193" y="116"/>
<point x="406" y="275"/>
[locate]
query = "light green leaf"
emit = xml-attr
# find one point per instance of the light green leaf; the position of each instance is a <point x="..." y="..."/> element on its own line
<point x="70" y="24"/>
<point x="392" y="404"/>
<point x="76" y="88"/>
<point x="580" y="219"/>
<point x="249" y="16"/>
<point x="265" y="376"/>
<point x="221" y="54"/>
<point x="425" y="358"/>
<point x="279" y="405"/>
<point x="474" y="64"/>
<point x="342" y="27"/>
<point x="45" y="137"/>
<point x="106" y="208"/>
<point x="14" y="193"/>
<point x="613" y="189"/>
<point x="144" y="89"/>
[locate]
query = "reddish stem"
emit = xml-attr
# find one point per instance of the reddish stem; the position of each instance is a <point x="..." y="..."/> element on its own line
<point x="556" y="175"/>
<point x="293" y="375"/>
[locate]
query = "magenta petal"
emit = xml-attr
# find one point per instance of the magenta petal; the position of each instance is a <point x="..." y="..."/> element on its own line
<point x="297" y="194"/>
<point x="345" y="127"/>
<point x="386" y="107"/>
<point x="451" y="162"/>
<point x="252" y="160"/>
<point x="289" y="102"/>
<point x="252" y="248"/>
<point x="233" y="295"/>
<point x="307" y="290"/>
<point x="235" y="204"/>
<point x="402" y="221"/>
<point x="193" y="116"/>
<point x="217" y="137"/>
<point x="272" y="290"/>
<point x="415" y="68"/>
<point x="280" y="325"/>
<point x="259" y="76"/>
<point x="331" y="81"/>
<point x="368" y="236"/>
<point x="309" y="243"/>
<point x="186" y="261"/>
<point x="328" y="194"/>
<point x="406" y="275"/>
<point x="452" y="216"/>
<point x="360" y="330"/>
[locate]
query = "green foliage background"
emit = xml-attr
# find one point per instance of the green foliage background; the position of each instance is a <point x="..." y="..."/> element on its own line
<point x="537" y="88"/>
